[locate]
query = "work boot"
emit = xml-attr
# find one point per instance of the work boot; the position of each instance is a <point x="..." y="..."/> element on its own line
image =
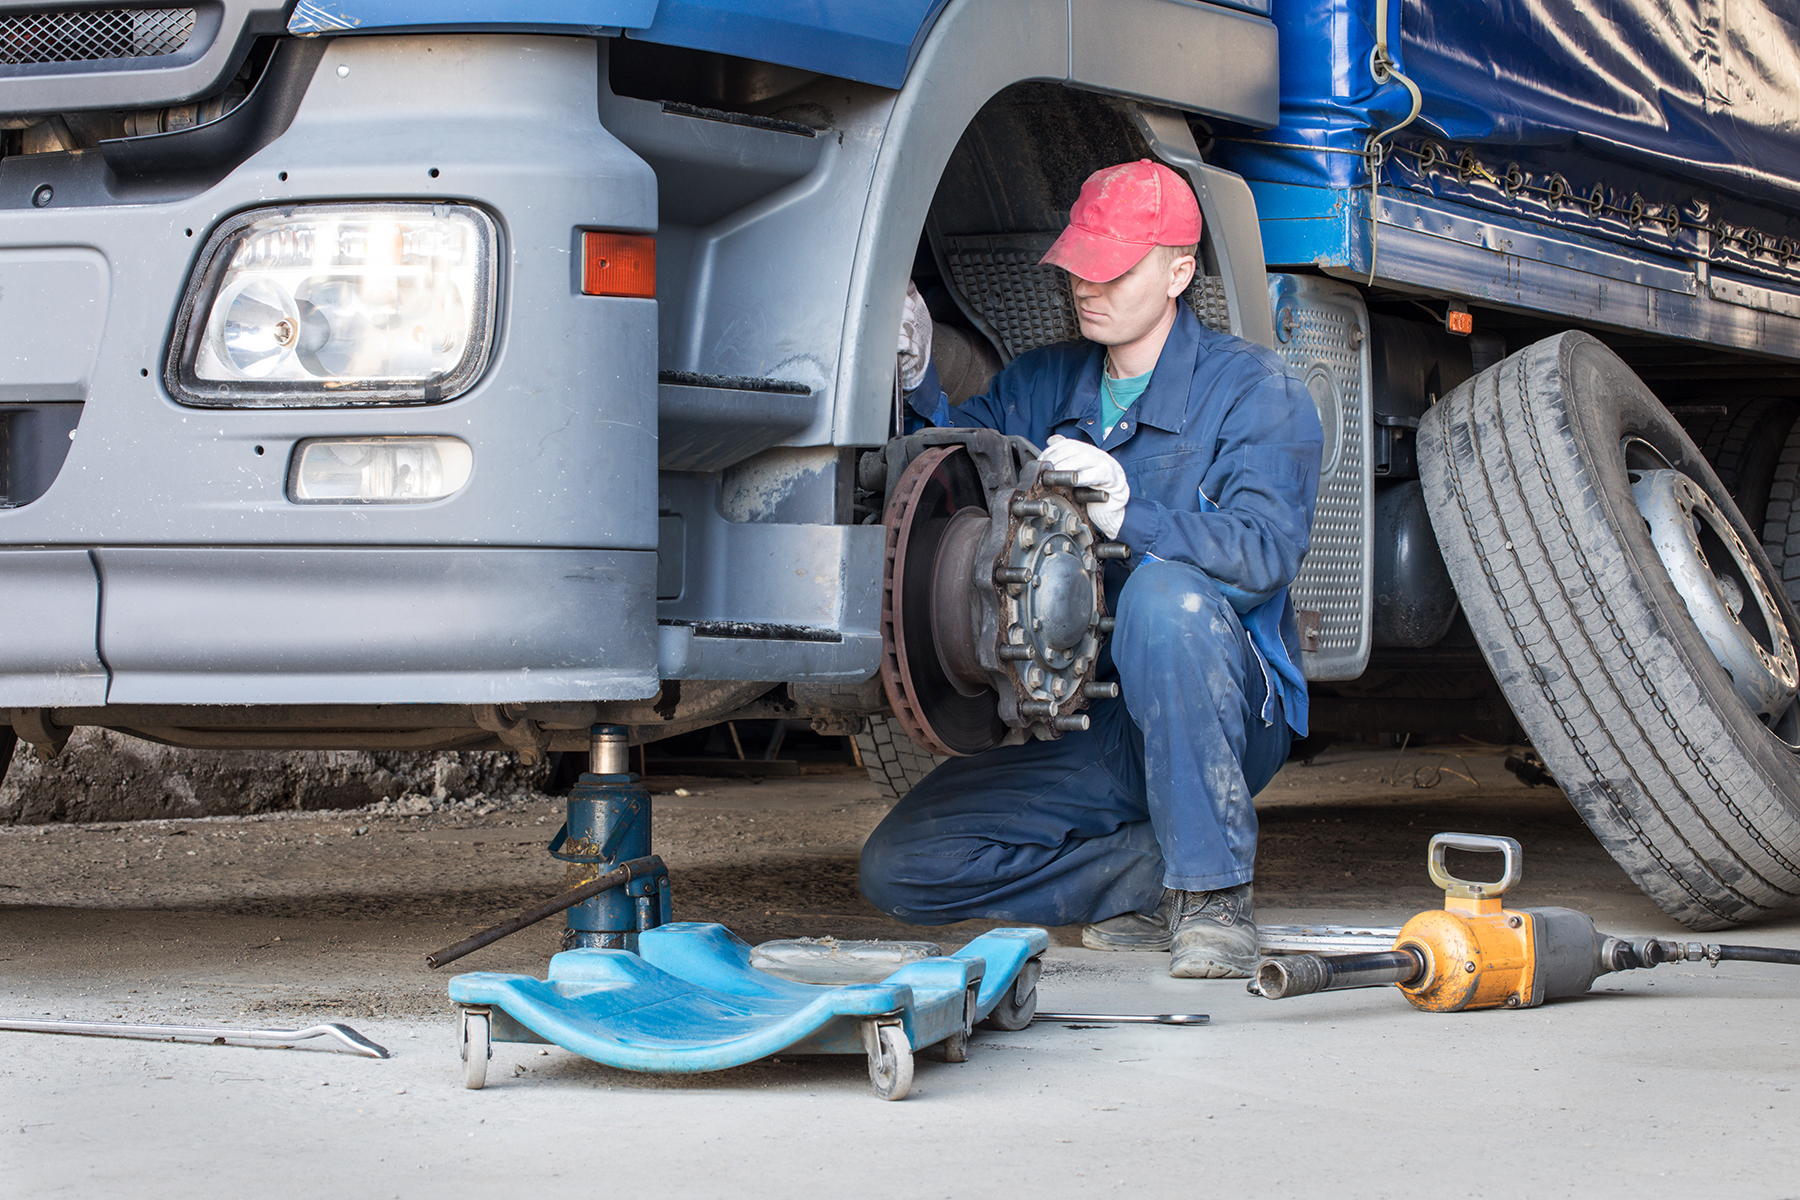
<point x="1134" y="931"/>
<point x="1214" y="935"/>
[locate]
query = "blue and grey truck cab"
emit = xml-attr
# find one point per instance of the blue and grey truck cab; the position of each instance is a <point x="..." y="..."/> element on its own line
<point x="378" y="374"/>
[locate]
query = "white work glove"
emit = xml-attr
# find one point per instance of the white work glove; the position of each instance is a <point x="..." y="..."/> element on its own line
<point x="1093" y="468"/>
<point x="915" y="339"/>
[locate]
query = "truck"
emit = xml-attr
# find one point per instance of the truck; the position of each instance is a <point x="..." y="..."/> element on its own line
<point x="386" y="375"/>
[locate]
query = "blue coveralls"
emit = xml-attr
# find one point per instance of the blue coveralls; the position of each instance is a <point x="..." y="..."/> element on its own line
<point x="1222" y="452"/>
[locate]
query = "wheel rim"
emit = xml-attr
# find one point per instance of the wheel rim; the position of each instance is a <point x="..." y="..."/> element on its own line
<point x="1725" y="593"/>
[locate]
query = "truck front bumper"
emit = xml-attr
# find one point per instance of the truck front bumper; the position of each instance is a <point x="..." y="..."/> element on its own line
<point x="275" y="626"/>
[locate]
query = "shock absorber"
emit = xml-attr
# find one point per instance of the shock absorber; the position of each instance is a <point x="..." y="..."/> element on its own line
<point x="1474" y="953"/>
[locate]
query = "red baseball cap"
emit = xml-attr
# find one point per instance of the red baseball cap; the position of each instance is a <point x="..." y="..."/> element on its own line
<point x="1121" y="213"/>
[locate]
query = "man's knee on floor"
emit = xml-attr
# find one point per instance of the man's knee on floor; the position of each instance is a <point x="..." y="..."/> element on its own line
<point x="889" y="874"/>
<point x="875" y="874"/>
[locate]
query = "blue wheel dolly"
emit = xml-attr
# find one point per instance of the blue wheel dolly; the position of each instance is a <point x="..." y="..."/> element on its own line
<point x="634" y="990"/>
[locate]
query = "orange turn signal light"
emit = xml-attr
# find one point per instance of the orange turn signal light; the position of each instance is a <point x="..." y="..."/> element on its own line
<point x="618" y="264"/>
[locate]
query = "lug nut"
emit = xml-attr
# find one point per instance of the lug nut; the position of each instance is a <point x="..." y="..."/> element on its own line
<point x="1059" y="479"/>
<point x="1030" y="508"/>
<point x="1100" y="691"/>
<point x="1006" y="575"/>
<point x="1112" y="550"/>
<point x="1075" y="724"/>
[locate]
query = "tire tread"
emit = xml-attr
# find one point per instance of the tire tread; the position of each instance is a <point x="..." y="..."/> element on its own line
<point x="894" y="761"/>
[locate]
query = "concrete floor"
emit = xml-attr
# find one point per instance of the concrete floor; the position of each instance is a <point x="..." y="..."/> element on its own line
<point x="1677" y="1082"/>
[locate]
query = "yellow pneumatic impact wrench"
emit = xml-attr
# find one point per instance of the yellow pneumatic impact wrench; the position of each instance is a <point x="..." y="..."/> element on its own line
<point x="1474" y="953"/>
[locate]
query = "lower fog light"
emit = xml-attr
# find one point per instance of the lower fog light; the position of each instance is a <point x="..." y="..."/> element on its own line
<point x="378" y="470"/>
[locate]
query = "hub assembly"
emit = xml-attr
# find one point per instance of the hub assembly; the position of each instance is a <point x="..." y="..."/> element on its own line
<point x="992" y="603"/>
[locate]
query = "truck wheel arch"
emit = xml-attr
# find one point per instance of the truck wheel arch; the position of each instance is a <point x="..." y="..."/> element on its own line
<point x="974" y="52"/>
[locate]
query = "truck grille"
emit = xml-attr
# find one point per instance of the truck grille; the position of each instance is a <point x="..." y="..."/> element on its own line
<point x="93" y="34"/>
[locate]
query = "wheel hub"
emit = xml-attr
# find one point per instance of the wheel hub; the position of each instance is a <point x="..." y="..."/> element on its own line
<point x="1050" y="599"/>
<point x="1725" y="593"/>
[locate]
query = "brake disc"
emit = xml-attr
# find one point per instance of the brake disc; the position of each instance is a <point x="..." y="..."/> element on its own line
<point x="944" y="714"/>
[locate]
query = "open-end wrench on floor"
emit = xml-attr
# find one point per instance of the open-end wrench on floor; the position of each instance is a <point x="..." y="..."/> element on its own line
<point x="1125" y="1018"/>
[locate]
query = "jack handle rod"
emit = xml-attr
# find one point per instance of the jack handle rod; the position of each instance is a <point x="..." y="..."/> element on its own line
<point x="1303" y="974"/>
<point x="622" y="874"/>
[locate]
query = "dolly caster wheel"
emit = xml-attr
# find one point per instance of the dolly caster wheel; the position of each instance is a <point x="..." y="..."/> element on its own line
<point x="956" y="1046"/>
<point x="890" y="1060"/>
<point x="477" y="1047"/>
<point x="1015" y="1009"/>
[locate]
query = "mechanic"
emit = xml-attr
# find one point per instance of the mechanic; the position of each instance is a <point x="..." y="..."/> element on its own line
<point x="1208" y="451"/>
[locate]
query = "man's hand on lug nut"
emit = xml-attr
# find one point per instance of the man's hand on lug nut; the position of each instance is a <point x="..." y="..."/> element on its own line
<point x="1093" y="468"/>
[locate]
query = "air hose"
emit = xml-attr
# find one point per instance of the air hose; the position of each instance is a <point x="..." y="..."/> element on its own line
<point x="1650" y="952"/>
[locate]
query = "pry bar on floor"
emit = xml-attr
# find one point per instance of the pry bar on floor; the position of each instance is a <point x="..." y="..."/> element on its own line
<point x="355" y="1042"/>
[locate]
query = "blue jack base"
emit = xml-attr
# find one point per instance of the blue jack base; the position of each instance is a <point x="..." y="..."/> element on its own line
<point x="690" y="1001"/>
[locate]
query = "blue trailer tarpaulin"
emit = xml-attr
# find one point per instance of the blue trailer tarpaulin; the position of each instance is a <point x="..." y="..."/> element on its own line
<point x="1700" y="90"/>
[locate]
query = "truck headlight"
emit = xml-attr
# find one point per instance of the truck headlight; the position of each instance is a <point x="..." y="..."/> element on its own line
<point x="378" y="470"/>
<point x="335" y="304"/>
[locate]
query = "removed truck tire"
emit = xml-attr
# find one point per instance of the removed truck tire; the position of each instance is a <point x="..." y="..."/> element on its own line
<point x="894" y="761"/>
<point x="1632" y="619"/>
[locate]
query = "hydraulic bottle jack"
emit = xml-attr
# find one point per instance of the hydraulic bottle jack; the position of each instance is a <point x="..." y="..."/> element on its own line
<point x="609" y="824"/>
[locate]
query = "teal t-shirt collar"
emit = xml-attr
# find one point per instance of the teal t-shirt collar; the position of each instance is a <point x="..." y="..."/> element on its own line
<point x="1117" y="395"/>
